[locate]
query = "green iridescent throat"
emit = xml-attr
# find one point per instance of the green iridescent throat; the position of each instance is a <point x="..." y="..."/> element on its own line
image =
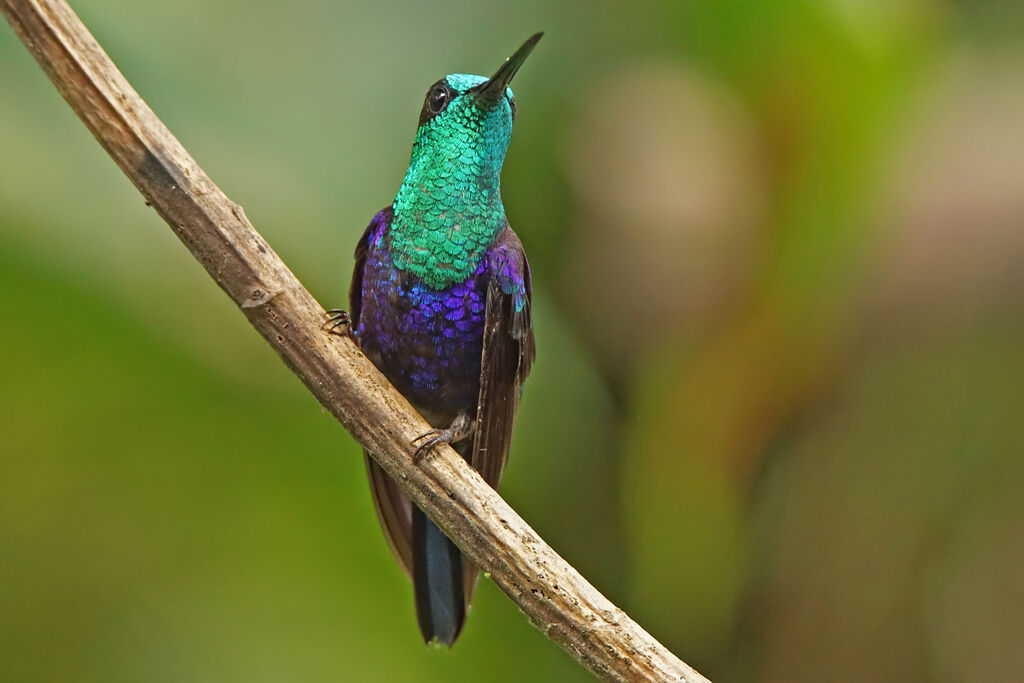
<point x="448" y="210"/>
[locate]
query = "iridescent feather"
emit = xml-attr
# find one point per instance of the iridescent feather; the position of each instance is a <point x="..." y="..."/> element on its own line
<point x="440" y="302"/>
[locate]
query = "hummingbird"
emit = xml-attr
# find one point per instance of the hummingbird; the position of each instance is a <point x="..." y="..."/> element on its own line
<point x="440" y="303"/>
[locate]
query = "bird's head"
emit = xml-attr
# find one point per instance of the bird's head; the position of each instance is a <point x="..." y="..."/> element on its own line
<point x="466" y="123"/>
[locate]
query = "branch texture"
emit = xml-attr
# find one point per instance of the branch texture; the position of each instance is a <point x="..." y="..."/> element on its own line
<point x="557" y="599"/>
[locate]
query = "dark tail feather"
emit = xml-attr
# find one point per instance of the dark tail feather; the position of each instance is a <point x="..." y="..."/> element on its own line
<point x="437" y="581"/>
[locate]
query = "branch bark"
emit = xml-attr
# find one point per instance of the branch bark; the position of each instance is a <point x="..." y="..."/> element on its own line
<point x="556" y="598"/>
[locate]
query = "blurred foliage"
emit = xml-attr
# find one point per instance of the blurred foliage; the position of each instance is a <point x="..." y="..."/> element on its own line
<point x="777" y="413"/>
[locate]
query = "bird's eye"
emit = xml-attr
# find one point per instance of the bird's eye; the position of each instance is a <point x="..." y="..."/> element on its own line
<point x="512" y="104"/>
<point x="438" y="97"/>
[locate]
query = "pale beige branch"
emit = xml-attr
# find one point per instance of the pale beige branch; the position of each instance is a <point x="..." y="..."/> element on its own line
<point x="554" y="596"/>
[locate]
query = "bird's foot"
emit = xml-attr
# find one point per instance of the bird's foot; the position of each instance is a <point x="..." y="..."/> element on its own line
<point x="461" y="427"/>
<point x="338" y="318"/>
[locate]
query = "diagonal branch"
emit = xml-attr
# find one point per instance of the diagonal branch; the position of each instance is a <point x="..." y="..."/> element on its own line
<point x="556" y="598"/>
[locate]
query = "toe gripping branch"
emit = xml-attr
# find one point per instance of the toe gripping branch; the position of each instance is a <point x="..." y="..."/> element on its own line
<point x="462" y="427"/>
<point x="338" y="322"/>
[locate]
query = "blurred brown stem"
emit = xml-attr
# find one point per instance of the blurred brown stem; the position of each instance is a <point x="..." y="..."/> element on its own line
<point x="555" y="597"/>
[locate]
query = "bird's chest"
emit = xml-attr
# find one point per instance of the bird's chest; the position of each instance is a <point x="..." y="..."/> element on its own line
<point x="427" y="342"/>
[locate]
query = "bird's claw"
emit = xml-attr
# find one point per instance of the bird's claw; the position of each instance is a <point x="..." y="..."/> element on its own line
<point x="461" y="427"/>
<point x="338" y="317"/>
<point x="430" y="439"/>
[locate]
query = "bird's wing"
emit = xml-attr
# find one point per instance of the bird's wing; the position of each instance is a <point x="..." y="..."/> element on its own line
<point x="378" y="225"/>
<point x="393" y="507"/>
<point x="508" y="354"/>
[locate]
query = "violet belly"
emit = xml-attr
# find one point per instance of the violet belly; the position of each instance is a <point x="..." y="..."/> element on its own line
<point x="427" y="342"/>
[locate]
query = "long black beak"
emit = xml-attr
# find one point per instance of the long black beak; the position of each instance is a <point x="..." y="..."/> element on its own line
<point x="494" y="87"/>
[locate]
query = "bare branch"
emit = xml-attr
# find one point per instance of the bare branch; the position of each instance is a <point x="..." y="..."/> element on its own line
<point x="556" y="598"/>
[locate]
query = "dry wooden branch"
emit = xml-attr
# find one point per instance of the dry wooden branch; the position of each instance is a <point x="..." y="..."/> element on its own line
<point x="556" y="598"/>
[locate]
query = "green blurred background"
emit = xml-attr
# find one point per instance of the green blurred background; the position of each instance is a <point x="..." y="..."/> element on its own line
<point x="778" y="411"/>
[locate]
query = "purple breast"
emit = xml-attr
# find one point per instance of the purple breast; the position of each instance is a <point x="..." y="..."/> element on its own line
<point x="427" y="342"/>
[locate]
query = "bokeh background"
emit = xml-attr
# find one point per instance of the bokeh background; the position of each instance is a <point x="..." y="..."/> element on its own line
<point x="778" y="411"/>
